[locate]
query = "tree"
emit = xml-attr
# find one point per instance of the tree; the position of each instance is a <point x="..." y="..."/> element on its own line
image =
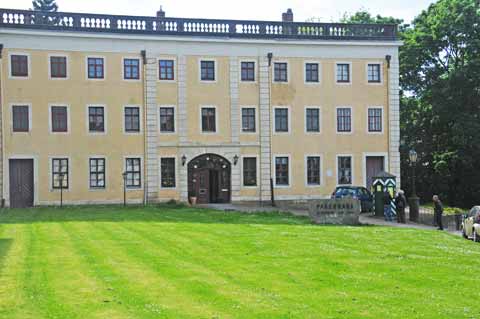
<point x="45" y="5"/>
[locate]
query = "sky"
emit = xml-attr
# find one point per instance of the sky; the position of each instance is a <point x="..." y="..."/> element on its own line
<point x="325" y="10"/>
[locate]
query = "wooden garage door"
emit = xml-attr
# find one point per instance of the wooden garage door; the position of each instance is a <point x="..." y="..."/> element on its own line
<point x="21" y="183"/>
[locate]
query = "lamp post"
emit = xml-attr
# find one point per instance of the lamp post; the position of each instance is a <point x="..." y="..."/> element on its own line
<point x="124" y="175"/>
<point x="414" y="201"/>
<point x="60" y="177"/>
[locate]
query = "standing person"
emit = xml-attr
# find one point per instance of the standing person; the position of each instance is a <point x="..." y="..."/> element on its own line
<point x="387" y="200"/>
<point x="400" y="204"/>
<point x="438" y="211"/>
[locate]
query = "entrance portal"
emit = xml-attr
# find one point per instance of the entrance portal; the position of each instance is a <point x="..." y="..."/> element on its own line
<point x="209" y="179"/>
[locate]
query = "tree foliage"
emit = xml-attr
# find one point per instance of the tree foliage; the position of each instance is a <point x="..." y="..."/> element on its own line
<point x="45" y="5"/>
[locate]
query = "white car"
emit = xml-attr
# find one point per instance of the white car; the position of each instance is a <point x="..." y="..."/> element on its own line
<point x="471" y="224"/>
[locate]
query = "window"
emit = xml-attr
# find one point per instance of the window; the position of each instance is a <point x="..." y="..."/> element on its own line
<point x="313" y="170"/>
<point x="59" y="118"/>
<point x="59" y="173"/>
<point x="95" y="68"/>
<point x="281" y="171"/>
<point x="344" y="170"/>
<point x="248" y="71"/>
<point x="311" y="73"/>
<point x="167" y="119"/>
<point x="132" y="119"/>
<point x="373" y="71"/>
<point x="374" y="120"/>
<point x="96" y="119"/>
<point x="131" y="69"/>
<point x="97" y="173"/>
<point x="19" y="65"/>
<point x="281" y="120"/>
<point x="167" y="172"/>
<point x="249" y="171"/>
<point x="207" y="70"/>
<point x="344" y="120"/>
<point x="133" y="177"/>
<point x="343" y="73"/>
<point x="58" y="67"/>
<point x="20" y="118"/>
<point x="248" y="120"/>
<point x="280" y="72"/>
<point x="166" y="70"/>
<point x="313" y="120"/>
<point x="208" y="119"/>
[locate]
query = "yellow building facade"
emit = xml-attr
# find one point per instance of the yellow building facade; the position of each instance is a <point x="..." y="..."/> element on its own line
<point x="155" y="109"/>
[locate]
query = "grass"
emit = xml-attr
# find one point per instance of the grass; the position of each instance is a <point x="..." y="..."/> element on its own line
<point x="165" y="262"/>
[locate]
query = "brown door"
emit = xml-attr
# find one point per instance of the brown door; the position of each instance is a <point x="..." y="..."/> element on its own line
<point x="21" y="183"/>
<point x="203" y="186"/>
<point x="375" y="165"/>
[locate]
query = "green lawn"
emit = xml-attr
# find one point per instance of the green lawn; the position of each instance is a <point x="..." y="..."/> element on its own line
<point x="162" y="262"/>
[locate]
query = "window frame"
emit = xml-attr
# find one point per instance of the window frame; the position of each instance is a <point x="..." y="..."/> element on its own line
<point x="173" y="107"/>
<point x="350" y="78"/>
<point x="174" y="70"/>
<point x="254" y="71"/>
<point x="175" y="175"/>
<point x="275" y="156"/>
<point x="125" y="158"/>
<point x="319" y="119"/>
<point x="139" y="120"/>
<point x="242" y="171"/>
<point x="367" y="64"/>
<point x="255" y="131"/>
<point x="216" y="119"/>
<point x="337" y="169"/>
<point x="287" y="80"/>
<point x="289" y="120"/>
<point x="139" y="68"/>
<point x="319" y="65"/>
<point x="97" y="188"/>
<point x="67" y="66"/>
<point x="215" y="70"/>
<point x="336" y="120"/>
<point x="381" y="119"/>
<point x="10" y="66"/>
<point x="50" y="123"/>
<point x="105" y="119"/>
<point x="52" y="173"/>
<point x="320" y="184"/>
<point x="104" y="67"/>
<point x="29" y="105"/>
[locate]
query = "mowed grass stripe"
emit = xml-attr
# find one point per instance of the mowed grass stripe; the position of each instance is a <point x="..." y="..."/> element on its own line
<point x="15" y="300"/>
<point x="189" y="272"/>
<point x="140" y="289"/>
<point x="172" y="274"/>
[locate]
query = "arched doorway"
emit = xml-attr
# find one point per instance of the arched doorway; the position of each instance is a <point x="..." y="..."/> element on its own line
<point x="209" y="179"/>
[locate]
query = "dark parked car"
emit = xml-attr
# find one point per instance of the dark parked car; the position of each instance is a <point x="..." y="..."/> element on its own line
<point x="357" y="192"/>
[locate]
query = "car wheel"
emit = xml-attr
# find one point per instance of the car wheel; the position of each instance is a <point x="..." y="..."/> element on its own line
<point x="476" y="238"/>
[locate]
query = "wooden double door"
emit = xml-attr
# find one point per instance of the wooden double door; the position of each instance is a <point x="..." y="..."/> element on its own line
<point x="209" y="179"/>
<point x="21" y="183"/>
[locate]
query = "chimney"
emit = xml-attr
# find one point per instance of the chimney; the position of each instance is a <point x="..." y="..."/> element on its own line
<point x="161" y="13"/>
<point x="287" y="16"/>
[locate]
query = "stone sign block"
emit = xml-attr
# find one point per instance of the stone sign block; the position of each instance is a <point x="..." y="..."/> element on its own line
<point x="345" y="211"/>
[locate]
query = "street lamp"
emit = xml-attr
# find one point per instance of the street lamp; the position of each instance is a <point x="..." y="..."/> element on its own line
<point x="124" y="175"/>
<point x="414" y="201"/>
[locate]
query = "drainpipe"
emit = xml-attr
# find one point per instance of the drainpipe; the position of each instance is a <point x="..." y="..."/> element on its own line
<point x="144" y="119"/>
<point x="2" y="152"/>
<point x="388" y="58"/>
<point x="272" y="192"/>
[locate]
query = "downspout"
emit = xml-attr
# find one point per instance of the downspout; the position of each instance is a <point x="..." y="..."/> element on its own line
<point x="2" y="119"/>
<point x="272" y="192"/>
<point x="144" y="119"/>
<point x="388" y="58"/>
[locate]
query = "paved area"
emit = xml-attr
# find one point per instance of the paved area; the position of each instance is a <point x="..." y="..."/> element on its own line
<point x="365" y="219"/>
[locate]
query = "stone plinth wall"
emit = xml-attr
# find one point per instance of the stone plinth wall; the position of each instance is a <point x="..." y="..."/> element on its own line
<point x="335" y="211"/>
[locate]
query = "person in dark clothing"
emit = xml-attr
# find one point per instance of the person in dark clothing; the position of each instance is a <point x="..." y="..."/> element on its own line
<point x="387" y="209"/>
<point x="438" y="211"/>
<point x="400" y="204"/>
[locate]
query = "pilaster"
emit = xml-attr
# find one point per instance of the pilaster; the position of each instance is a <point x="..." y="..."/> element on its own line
<point x="265" y="130"/>
<point x="394" y="118"/>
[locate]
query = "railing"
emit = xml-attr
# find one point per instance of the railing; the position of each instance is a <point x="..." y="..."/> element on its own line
<point x="85" y="22"/>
